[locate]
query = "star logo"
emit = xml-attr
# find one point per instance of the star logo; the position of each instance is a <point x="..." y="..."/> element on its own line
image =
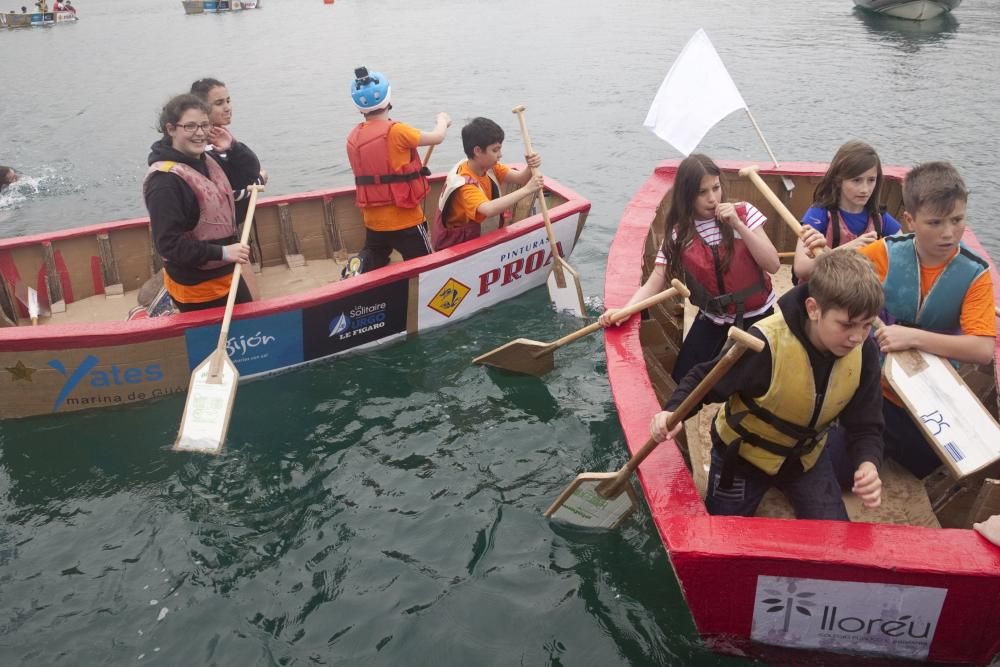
<point x="20" y="372"/>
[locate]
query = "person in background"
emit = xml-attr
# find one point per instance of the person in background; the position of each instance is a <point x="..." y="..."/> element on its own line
<point x="818" y="366"/>
<point x="216" y="96"/>
<point x="472" y="190"/>
<point x="845" y="209"/>
<point x="191" y="210"/>
<point x="68" y="6"/>
<point x="390" y="181"/>
<point x="721" y="252"/>
<point x="7" y="177"/>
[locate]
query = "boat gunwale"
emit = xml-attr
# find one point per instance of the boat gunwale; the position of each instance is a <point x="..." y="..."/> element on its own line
<point x="676" y="507"/>
<point x="112" y="333"/>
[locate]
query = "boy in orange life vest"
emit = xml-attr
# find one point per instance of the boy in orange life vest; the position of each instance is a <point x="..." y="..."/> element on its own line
<point x="390" y="181"/>
<point x="938" y="295"/>
<point x="472" y="190"/>
<point x="819" y="366"/>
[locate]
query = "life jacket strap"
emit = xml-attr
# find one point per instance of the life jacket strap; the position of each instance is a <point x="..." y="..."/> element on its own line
<point x="385" y="179"/>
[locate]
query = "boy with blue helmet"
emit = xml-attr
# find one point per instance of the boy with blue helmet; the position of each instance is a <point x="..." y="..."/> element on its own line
<point x="389" y="178"/>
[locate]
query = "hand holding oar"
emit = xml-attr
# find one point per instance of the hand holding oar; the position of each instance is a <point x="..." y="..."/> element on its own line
<point x="532" y="357"/>
<point x="603" y="500"/>
<point x="564" y="283"/>
<point x="927" y="385"/>
<point x="213" y="382"/>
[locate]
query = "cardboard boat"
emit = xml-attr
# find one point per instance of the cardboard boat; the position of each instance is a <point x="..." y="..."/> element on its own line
<point x="85" y="354"/>
<point x="892" y="583"/>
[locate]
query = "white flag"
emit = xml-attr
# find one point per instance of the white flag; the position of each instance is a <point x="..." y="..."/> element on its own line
<point x="696" y="94"/>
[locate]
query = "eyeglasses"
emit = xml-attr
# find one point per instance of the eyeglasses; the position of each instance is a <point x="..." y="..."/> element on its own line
<point x="191" y="128"/>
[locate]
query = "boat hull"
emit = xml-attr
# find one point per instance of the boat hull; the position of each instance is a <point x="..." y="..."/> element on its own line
<point x="893" y="591"/>
<point x="60" y="368"/>
<point x="914" y="10"/>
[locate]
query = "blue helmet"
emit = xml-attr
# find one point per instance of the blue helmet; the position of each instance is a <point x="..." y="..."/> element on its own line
<point x="370" y="91"/>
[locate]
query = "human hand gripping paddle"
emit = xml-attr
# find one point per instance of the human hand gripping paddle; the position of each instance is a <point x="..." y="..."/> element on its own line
<point x="604" y="500"/>
<point x="962" y="432"/>
<point x="213" y="382"/>
<point x="532" y="357"/>
<point x="564" y="283"/>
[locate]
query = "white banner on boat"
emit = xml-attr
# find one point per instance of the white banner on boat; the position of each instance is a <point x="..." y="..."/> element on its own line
<point x="459" y="289"/>
<point x="695" y="95"/>
<point x="851" y="616"/>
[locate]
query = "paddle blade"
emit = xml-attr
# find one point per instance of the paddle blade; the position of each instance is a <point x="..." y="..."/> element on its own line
<point x="528" y="357"/>
<point x="33" y="305"/>
<point x="567" y="296"/>
<point x="208" y="407"/>
<point x="582" y="505"/>
<point x="954" y="422"/>
<point x="29" y="297"/>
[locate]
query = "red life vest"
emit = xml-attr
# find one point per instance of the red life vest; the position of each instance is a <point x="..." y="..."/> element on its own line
<point x="838" y="233"/>
<point x="744" y="287"/>
<point x="377" y="183"/>
<point x="445" y="236"/>
<point x="214" y="194"/>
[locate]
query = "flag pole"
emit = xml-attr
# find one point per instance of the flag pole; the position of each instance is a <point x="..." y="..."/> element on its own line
<point x="761" y="135"/>
<point x="787" y="182"/>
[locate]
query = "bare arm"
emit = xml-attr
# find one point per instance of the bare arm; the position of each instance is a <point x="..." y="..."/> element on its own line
<point x="974" y="349"/>
<point x="763" y="251"/>
<point x="436" y="136"/>
<point x="655" y="284"/>
<point x="521" y="176"/>
<point x="497" y="206"/>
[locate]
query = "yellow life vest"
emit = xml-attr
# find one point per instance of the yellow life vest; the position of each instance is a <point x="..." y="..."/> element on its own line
<point x="790" y="420"/>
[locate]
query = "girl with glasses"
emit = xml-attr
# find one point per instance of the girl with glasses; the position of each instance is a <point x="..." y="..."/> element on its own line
<point x="189" y="196"/>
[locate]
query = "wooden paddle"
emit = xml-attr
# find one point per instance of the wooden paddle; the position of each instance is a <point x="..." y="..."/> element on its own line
<point x="532" y="357"/>
<point x="962" y="432"/>
<point x="604" y="500"/>
<point x="564" y="283"/>
<point x="213" y="382"/>
<point x="28" y="296"/>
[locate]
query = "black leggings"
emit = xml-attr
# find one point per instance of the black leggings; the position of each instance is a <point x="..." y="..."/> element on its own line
<point x="410" y="242"/>
<point x="242" y="296"/>
<point x="704" y="342"/>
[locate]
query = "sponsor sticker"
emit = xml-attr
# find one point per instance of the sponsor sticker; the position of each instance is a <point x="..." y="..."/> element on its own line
<point x="850" y="616"/>
<point x="449" y="297"/>
<point x="355" y="320"/>
<point x="493" y="274"/>
<point x="255" y="345"/>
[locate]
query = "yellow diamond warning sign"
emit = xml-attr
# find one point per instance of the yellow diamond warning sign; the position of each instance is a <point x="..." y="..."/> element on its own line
<point x="448" y="298"/>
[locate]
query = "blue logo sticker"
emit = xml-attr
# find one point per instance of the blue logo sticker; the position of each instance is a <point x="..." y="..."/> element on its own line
<point x="256" y="345"/>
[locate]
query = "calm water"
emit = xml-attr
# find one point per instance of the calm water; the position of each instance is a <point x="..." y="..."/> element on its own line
<point x="386" y="508"/>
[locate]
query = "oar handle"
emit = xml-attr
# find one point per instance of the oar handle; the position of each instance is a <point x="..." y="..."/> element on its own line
<point x="556" y="265"/>
<point x="786" y="215"/>
<point x="741" y="342"/>
<point x="676" y="287"/>
<point x="779" y="206"/>
<point x="216" y="365"/>
<point x="427" y="155"/>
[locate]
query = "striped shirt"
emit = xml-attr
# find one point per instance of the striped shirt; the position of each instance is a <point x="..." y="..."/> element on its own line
<point x="712" y="236"/>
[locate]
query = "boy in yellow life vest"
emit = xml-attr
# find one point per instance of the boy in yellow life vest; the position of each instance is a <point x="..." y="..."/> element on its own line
<point x="390" y="182"/>
<point x="938" y="295"/>
<point x="471" y="193"/>
<point x="819" y="366"/>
